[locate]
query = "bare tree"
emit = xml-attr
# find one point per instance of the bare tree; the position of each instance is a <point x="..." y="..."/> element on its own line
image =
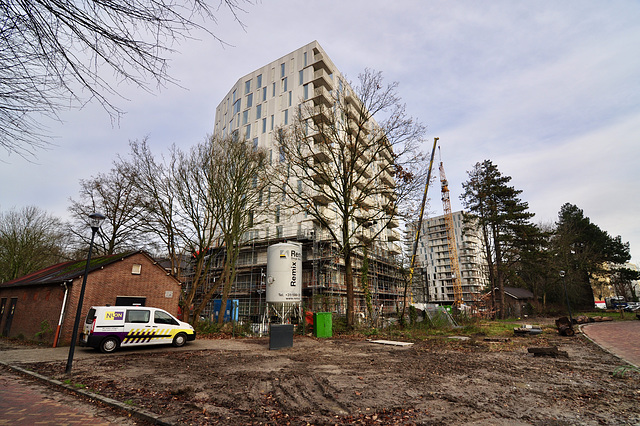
<point x="350" y="159"/>
<point x="112" y="194"/>
<point x="30" y="239"/>
<point x="155" y="188"/>
<point x="239" y="176"/>
<point x="53" y="50"/>
<point x="200" y="205"/>
<point x="195" y="223"/>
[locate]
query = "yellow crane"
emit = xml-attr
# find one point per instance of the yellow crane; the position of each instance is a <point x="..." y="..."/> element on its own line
<point x="451" y="238"/>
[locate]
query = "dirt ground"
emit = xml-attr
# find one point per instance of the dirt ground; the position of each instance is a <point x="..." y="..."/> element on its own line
<point x="353" y="381"/>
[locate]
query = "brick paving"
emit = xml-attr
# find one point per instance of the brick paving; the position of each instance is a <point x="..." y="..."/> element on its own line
<point x="27" y="402"/>
<point x="621" y="338"/>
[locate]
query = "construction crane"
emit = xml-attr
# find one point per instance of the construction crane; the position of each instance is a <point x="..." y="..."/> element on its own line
<point x="418" y="228"/>
<point x="451" y="238"/>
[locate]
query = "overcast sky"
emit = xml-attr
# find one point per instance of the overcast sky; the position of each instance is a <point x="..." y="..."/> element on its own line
<point x="549" y="91"/>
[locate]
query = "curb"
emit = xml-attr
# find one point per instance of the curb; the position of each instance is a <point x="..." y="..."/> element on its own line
<point x="135" y="412"/>
<point x="605" y="349"/>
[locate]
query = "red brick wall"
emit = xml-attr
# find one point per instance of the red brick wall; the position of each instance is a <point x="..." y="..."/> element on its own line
<point x="103" y="286"/>
<point x="35" y="305"/>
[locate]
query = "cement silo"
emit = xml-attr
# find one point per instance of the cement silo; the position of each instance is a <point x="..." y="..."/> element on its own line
<point x="284" y="280"/>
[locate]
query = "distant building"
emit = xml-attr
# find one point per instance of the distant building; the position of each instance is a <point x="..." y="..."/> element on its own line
<point x="31" y="306"/>
<point x="433" y="277"/>
<point x="516" y="301"/>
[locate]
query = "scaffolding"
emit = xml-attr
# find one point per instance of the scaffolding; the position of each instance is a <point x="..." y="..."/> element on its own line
<point x="323" y="284"/>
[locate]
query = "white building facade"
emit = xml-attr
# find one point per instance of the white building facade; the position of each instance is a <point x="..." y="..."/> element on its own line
<point x="257" y="105"/>
<point x="433" y="261"/>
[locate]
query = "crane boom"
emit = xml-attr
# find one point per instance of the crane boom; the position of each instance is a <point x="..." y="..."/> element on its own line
<point x="451" y="239"/>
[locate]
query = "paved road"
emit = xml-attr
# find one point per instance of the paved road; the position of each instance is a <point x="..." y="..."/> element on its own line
<point x="621" y="338"/>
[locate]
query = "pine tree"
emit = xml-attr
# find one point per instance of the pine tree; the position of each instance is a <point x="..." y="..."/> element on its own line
<point x="502" y="217"/>
<point x="586" y="253"/>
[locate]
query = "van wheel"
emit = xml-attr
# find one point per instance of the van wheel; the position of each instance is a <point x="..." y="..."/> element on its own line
<point x="109" y="345"/>
<point x="179" y="340"/>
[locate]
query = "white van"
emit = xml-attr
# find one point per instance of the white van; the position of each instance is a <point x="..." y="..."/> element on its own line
<point x="109" y="327"/>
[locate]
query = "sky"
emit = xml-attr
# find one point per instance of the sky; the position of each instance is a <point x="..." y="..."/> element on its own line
<point x="548" y="91"/>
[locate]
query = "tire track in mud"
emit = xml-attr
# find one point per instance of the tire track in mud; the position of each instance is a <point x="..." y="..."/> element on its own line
<point x="306" y="394"/>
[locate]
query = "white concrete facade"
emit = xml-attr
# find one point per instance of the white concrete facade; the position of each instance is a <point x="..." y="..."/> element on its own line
<point x="433" y="260"/>
<point x="270" y="97"/>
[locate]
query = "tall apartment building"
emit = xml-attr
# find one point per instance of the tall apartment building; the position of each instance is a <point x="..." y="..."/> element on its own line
<point x="257" y="105"/>
<point x="433" y="262"/>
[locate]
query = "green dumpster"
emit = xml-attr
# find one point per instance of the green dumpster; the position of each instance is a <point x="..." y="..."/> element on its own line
<point x="322" y="324"/>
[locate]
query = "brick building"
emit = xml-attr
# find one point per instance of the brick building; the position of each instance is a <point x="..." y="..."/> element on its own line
<point x="31" y="307"/>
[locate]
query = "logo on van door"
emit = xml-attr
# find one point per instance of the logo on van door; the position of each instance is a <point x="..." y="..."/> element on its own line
<point x="113" y="316"/>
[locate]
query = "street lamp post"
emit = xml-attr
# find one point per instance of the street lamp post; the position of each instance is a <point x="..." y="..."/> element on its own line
<point x="95" y="220"/>
<point x="566" y="294"/>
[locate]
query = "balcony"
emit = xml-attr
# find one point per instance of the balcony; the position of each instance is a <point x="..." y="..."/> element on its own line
<point x="320" y="63"/>
<point x="321" y="153"/>
<point x="356" y="128"/>
<point x="319" y="177"/>
<point x="391" y="209"/>
<point x="320" y="196"/>
<point x="363" y="168"/>
<point x="393" y="235"/>
<point x="321" y="115"/>
<point x="321" y="78"/>
<point x="364" y="202"/>
<point x="364" y="236"/>
<point x="387" y="153"/>
<point x="386" y="178"/>
<point x="394" y="248"/>
<point x="321" y="96"/>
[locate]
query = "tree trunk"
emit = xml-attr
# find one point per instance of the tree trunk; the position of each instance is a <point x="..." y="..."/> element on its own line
<point x="499" y="271"/>
<point x="348" y="277"/>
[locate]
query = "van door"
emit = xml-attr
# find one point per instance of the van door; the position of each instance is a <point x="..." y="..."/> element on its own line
<point x="138" y="327"/>
<point x="166" y="326"/>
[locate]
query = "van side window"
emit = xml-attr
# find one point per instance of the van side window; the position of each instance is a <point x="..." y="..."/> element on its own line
<point x="137" y="316"/>
<point x="160" y="317"/>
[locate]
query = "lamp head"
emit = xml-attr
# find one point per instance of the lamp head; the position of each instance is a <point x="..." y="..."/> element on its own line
<point x="95" y="220"/>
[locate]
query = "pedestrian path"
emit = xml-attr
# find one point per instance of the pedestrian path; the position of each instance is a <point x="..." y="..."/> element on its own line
<point x="25" y="402"/>
<point x="621" y="338"/>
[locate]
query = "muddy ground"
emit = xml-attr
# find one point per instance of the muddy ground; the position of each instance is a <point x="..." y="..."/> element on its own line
<point x="353" y="381"/>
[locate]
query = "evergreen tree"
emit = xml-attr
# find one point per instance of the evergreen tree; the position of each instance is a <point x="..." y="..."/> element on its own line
<point x="502" y="216"/>
<point x="586" y="253"/>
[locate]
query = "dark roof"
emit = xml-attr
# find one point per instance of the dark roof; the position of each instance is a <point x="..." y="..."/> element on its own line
<point x="66" y="271"/>
<point x="518" y="293"/>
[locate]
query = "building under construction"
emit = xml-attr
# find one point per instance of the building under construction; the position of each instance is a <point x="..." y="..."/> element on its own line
<point x="323" y="284"/>
<point x="306" y="85"/>
<point x="433" y="280"/>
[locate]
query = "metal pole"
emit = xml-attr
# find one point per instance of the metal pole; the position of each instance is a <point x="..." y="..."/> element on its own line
<point x="74" y="336"/>
<point x="566" y="295"/>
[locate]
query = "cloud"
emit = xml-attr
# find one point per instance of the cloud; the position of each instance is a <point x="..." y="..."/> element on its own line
<point x="547" y="90"/>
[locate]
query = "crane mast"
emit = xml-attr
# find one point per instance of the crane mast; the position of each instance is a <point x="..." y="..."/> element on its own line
<point x="451" y="239"/>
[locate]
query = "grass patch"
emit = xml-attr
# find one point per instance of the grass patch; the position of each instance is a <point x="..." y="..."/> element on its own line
<point x="75" y="385"/>
<point x="621" y="371"/>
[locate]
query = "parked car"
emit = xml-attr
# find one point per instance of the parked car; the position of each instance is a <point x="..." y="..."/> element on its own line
<point x="109" y="327"/>
<point x="615" y="302"/>
<point x="632" y="307"/>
